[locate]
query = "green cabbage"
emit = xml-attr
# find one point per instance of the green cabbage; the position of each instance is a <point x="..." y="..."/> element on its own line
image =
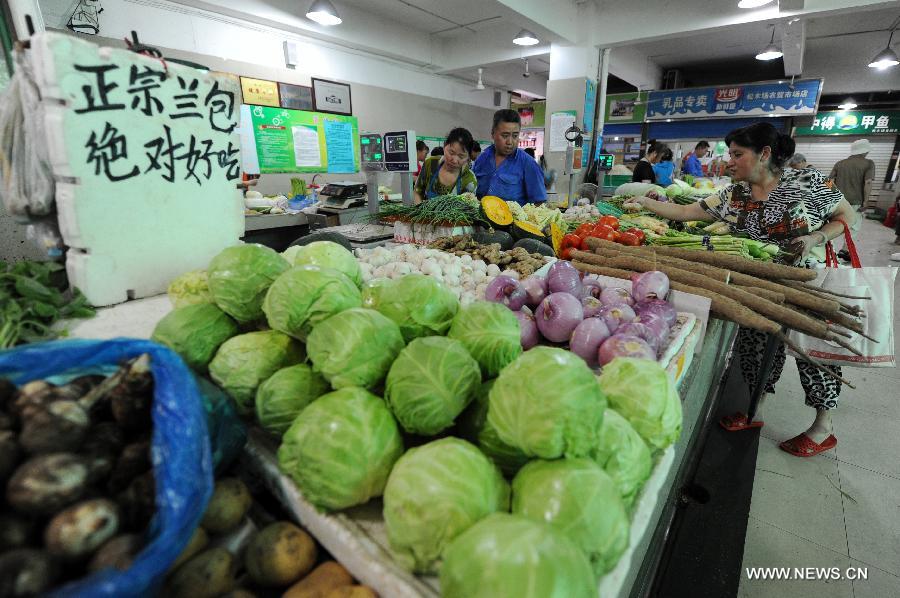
<point x="547" y="403"/>
<point x="371" y="292"/>
<point x="430" y="383"/>
<point x="327" y="254"/>
<point x="305" y="295"/>
<point x="623" y="454"/>
<point x="435" y="492"/>
<point x="341" y="448"/>
<point x="419" y="304"/>
<point x="195" y="332"/>
<point x="577" y="497"/>
<point x="354" y="348"/>
<point x="490" y="332"/>
<point x="190" y="288"/>
<point x="511" y="555"/>
<point x="240" y="276"/>
<point x="243" y="362"/>
<point x="644" y="394"/>
<point x="288" y="392"/>
<point x="473" y="426"/>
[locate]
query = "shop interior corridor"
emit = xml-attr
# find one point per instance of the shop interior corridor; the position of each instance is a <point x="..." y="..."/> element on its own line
<point x="841" y="508"/>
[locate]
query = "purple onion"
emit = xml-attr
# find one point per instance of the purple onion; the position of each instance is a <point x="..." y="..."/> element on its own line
<point x="643" y="331"/>
<point x="507" y="291"/>
<point x="563" y="277"/>
<point x="591" y="306"/>
<point x="615" y="296"/>
<point x="587" y="338"/>
<point x="528" y="328"/>
<point x="656" y="323"/>
<point x="558" y="315"/>
<point x="623" y="345"/>
<point x="536" y="289"/>
<point x="659" y="307"/>
<point x="616" y="315"/>
<point x="649" y="285"/>
<point x="591" y="287"/>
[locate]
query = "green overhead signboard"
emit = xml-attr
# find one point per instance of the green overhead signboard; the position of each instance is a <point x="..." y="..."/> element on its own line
<point x="853" y="122"/>
<point x="626" y="107"/>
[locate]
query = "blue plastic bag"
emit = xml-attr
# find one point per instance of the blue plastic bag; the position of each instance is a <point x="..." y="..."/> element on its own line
<point x="180" y="451"/>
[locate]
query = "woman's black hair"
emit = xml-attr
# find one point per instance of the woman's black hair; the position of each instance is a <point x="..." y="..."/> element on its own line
<point x="666" y="155"/>
<point x="420" y="145"/>
<point x="760" y="135"/>
<point x="438" y="151"/>
<point x="461" y="136"/>
<point x="658" y="148"/>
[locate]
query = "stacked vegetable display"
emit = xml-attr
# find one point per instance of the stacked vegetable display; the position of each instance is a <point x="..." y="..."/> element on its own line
<point x="349" y="378"/>
<point x="609" y="228"/>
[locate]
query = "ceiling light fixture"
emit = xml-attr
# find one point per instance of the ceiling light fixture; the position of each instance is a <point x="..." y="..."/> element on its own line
<point x="848" y="104"/>
<point x="886" y="58"/>
<point x="770" y="52"/>
<point x="526" y="38"/>
<point x="323" y="12"/>
<point x="753" y="3"/>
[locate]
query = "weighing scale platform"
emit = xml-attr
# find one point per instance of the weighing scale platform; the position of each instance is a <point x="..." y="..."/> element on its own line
<point x="362" y="236"/>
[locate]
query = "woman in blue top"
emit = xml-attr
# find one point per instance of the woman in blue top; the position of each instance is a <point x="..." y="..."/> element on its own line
<point x="664" y="169"/>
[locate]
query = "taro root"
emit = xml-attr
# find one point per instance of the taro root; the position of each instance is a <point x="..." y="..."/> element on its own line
<point x="7" y="391"/>
<point x="43" y="485"/>
<point x="99" y="467"/>
<point x="138" y="502"/>
<point x="134" y="460"/>
<point x="58" y="427"/>
<point x="9" y="454"/>
<point x="26" y="572"/>
<point x="105" y="438"/>
<point x="81" y="529"/>
<point x="132" y="399"/>
<point x="117" y="553"/>
<point x="7" y="422"/>
<point x="84" y="384"/>
<point x="31" y="395"/>
<point x="15" y="531"/>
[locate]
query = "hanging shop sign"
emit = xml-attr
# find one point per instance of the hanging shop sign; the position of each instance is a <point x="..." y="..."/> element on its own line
<point x="626" y="107"/>
<point x="259" y="92"/>
<point x="857" y="122"/>
<point x="777" y="98"/>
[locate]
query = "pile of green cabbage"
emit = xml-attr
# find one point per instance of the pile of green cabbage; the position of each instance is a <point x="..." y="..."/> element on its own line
<point x="239" y="278"/>
<point x="190" y="288"/>
<point x="490" y="332"/>
<point x="435" y="492"/>
<point x="195" y="331"/>
<point x="474" y="427"/>
<point x="325" y="254"/>
<point x="281" y="398"/>
<point x="623" y="454"/>
<point x="644" y="394"/>
<point x="419" y="304"/>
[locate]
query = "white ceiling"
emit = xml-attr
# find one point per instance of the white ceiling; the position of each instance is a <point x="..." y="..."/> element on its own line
<point x="433" y="16"/>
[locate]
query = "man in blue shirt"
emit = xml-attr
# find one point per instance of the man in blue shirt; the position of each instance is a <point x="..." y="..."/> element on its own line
<point x="692" y="164"/>
<point x="506" y="171"/>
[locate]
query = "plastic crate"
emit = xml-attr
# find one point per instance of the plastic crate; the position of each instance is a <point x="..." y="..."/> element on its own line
<point x="614" y="180"/>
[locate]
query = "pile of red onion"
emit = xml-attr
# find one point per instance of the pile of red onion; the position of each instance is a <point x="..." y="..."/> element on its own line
<point x="599" y="324"/>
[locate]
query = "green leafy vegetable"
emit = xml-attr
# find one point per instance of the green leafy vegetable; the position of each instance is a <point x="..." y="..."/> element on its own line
<point x="430" y="383"/>
<point x="32" y="299"/>
<point x="372" y="290"/>
<point x="419" y="304"/>
<point x="642" y="392"/>
<point x="243" y="362"/>
<point x="623" y="454"/>
<point x="512" y="555"/>
<point x="195" y="332"/>
<point x="240" y="276"/>
<point x="341" y="448"/>
<point x="547" y="403"/>
<point x="473" y="426"/>
<point x="490" y="332"/>
<point x="281" y="398"/>
<point x="354" y="348"/>
<point x="305" y="295"/>
<point x="190" y="288"/>
<point x="577" y="497"/>
<point x="328" y="254"/>
<point x="435" y="492"/>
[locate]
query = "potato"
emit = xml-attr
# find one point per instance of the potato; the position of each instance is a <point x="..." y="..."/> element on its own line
<point x="226" y="509"/>
<point x="82" y="528"/>
<point x="15" y="531"/>
<point x="324" y="578"/>
<point x="117" y="553"/>
<point x="352" y="592"/>
<point x="279" y="554"/>
<point x="58" y="427"/>
<point x="43" y="485"/>
<point x="197" y="543"/>
<point x="26" y="572"/>
<point x="208" y="574"/>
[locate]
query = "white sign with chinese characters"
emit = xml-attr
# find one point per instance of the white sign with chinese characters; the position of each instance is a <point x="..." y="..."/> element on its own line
<point x="146" y="156"/>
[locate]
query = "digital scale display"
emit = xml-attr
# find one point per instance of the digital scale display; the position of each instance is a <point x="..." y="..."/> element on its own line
<point x="396" y="143"/>
<point x="605" y="161"/>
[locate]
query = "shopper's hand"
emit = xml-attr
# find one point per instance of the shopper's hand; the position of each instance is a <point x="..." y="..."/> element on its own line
<point x="801" y="246"/>
<point x="635" y="204"/>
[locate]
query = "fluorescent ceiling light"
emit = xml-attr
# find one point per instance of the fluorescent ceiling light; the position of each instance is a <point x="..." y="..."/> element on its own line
<point x="323" y="13"/>
<point x="770" y="52"/>
<point x="886" y="58"/>
<point x="753" y="3"/>
<point x="528" y="94"/>
<point x="526" y="38"/>
<point x="848" y="104"/>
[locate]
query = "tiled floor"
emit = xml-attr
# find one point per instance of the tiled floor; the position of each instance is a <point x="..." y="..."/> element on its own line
<point x="842" y="508"/>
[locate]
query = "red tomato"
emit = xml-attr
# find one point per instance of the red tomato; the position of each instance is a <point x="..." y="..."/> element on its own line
<point x="630" y="239"/>
<point x="637" y="233"/>
<point x="610" y="221"/>
<point x="601" y="231"/>
<point x="584" y="230"/>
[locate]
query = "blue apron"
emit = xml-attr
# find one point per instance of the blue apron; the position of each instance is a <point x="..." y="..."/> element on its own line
<point x="429" y="190"/>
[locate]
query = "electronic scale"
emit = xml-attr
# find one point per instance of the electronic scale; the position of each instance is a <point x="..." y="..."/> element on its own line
<point x="343" y="195"/>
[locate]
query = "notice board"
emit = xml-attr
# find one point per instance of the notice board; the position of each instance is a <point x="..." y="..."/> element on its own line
<point x="284" y="140"/>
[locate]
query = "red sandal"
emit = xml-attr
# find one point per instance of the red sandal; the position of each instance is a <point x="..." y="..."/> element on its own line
<point x="738" y="422"/>
<point x="803" y="446"/>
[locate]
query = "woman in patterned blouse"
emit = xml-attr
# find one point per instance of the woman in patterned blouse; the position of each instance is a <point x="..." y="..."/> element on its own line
<point x="799" y="211"/>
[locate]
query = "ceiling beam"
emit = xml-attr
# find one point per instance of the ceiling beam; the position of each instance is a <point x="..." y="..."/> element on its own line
<point x="558" y="19"/>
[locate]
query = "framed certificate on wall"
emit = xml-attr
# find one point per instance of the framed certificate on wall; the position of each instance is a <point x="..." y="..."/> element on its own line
<point x="331" y="96"/>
